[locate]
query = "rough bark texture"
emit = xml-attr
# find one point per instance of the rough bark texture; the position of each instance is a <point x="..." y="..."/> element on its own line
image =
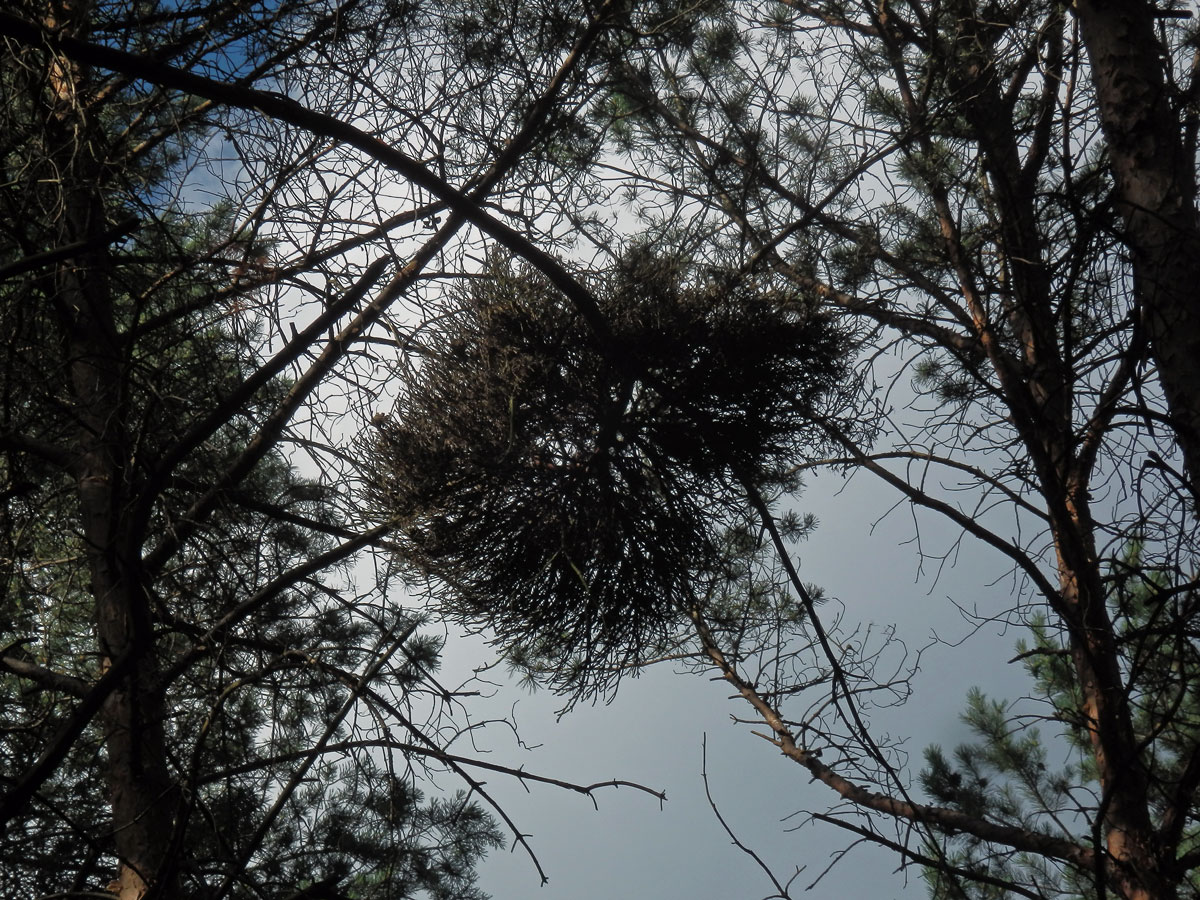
<point x="132" y="715"/>
<point x="1154" y="173"/>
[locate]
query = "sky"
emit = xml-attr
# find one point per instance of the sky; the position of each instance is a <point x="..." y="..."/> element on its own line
<point x="660" y="726"/>
<point x="658" y="729"/>
<point x="663" y="728"/>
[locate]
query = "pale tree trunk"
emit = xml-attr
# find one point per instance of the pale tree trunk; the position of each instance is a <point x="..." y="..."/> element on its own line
<point x="1154" y="171"/>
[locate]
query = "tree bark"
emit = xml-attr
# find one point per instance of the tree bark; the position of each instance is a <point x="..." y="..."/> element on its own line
<point x="1155" y="185"/>
<point x="139" y="782"/>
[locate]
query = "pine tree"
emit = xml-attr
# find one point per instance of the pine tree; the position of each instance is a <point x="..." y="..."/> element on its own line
<point x="1007" y="775"/>
<point x="186" y="665"/>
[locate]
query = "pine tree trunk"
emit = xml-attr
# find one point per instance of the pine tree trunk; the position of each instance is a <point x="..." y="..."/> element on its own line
<point x="139" y="782"/>
<point x="132" y="716"/>
<point x="1155" y="179"/>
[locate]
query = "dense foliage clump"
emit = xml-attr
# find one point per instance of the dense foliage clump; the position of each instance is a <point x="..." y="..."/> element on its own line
<point x="569" y="489"/>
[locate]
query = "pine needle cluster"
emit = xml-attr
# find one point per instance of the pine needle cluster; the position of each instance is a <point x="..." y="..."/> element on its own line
<point x="567" y="492"/>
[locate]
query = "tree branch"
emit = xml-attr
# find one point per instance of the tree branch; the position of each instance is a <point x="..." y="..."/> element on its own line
<point x="58" y="254"/>
<point x="432" y="753"/>
<point x="46" y="678"/>
<point x="60" y="745"/>
<point x="284" y="109"/>
<point x="941" y="865"/>
<point x="945" y="819"/>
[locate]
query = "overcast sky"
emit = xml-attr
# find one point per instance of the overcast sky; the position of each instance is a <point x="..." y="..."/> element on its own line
<point x="654" y="731"/>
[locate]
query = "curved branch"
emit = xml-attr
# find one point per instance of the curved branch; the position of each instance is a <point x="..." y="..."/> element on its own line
<point x="111" y="235"/>
<point x="45" y="678"/>
<point x="941" y="865"/>
<point x="945" y="819"/>
<point x="915" y="455"/>
<point x="959" y="518"/>
<point x="435" y="754"/>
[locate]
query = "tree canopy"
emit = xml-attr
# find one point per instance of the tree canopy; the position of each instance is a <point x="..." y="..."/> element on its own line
<point x="208" y="689"/>
<point x="996" y="203"/>
<point x="574" y="311"/>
